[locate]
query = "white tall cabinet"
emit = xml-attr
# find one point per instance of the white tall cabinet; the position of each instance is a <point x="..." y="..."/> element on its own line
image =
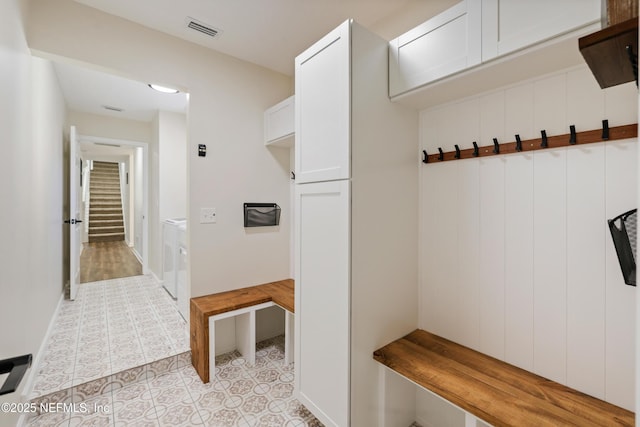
<point x="356" y="223"/>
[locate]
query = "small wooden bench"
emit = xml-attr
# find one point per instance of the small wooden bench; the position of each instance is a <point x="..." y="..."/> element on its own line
<point x="491" y="390"/>
<point x="242" y="304"/>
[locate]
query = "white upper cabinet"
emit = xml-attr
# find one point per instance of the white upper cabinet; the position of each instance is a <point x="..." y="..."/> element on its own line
<point x="323" y="108"/>
<point x="474" y="32"/>
<point x="510" y="25"/>
<point x="445" y="44"/>
<point x="279" y="124"/>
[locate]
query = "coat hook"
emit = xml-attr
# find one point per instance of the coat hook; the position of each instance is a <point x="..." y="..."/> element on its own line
<point x="605" y="130"/>
<point x="573" y="139"/>
<point x="545" y="141"/>
<point x="425" y="156"/>
<point x="441" y="155"/>
<point x="518" y="143"/>
<point x="293" y="175"/>
<point x="633" y="59"/>
<point x="476" y="150"/>
<point x="496" y="146"/>
<point x="457" y="156"/>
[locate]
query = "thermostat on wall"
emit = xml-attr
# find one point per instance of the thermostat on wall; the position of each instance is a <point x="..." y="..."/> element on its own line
<point x="202" y="150"/>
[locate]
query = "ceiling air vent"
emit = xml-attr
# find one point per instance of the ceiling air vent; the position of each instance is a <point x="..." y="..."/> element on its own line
<point x="112" y="108"/>
<point x="202" y="27"/>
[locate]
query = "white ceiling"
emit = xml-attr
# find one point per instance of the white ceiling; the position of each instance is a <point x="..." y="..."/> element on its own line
<point x="89" y="91"/>
<point x="270" y="33"/>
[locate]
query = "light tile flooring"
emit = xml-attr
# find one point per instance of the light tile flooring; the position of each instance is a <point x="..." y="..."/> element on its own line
<point x="131" y="324"/>
<point x="113" y="325"/>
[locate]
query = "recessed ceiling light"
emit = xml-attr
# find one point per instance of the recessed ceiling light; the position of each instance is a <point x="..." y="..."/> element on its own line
<point x="163" y="89"/>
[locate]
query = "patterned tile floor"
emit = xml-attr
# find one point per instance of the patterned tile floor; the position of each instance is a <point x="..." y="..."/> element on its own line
<point x="118" y="356"/>
<point x="113" y="325"/>
<point x="239" y="395"/>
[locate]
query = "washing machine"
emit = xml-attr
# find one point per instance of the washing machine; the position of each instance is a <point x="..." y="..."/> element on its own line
<point x="170" y="254"/>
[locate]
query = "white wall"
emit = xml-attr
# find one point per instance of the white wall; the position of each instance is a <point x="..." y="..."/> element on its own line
<point x="32" y="138"/>
<point x="516" y="257"/>
<point x="138" y="203"/>
<point x="172" y="135"/>
<point x="110" y="127"/>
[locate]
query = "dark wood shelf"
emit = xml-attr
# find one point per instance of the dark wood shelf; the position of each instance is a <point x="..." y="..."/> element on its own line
<point x="605" y="52"/>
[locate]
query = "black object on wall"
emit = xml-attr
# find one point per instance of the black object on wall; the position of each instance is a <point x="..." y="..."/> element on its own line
<point x="624" y="231"/>
<point x="261" y="214"/>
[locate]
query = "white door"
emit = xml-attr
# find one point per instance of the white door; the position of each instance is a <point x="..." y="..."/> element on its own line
<point x="323" y="108"/>
<point x="322" y="300"/>
<point x="74" y="221"/>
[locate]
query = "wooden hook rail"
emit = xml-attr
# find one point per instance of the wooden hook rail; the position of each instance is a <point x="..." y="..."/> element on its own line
<point x="542" y="143"/>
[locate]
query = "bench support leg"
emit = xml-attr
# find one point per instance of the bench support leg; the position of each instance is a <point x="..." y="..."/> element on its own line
<point x="246" y="336"/>
<point x="289" y="322"/>
<point x="396" y="399"/>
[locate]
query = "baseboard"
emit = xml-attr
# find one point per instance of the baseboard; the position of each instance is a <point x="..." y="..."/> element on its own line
<point x="135" y="252"/>
<point x="37" y="360"/>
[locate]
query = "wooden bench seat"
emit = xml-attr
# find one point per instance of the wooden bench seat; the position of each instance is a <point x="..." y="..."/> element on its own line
<point x="204" y="307"/>
<point x="491" y="390"/>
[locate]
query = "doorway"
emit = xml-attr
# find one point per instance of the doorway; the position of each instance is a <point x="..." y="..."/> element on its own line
<point x="115" y="208"/>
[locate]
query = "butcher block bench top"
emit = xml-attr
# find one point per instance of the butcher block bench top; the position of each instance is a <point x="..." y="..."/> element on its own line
<point x="492" y="390"/>
<point x="280" y="292"/>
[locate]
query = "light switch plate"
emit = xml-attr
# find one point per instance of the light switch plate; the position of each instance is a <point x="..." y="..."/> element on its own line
<point x="207" y="215"/>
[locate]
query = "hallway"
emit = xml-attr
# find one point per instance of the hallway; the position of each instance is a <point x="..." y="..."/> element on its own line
<point x="107" y="260"/>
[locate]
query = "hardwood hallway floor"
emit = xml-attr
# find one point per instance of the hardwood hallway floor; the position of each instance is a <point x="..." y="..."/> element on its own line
<point x="107" y="260"/>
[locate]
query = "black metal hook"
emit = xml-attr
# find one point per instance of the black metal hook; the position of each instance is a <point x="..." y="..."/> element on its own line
<point x="476" y="150"/>
<point x="545" y="140"/>
<point x="457" y="156"/>
<point x="633" y="58"/>
<point x="605" y="130"/>
<point x="441" y="155"/>
<point x="425" y="156"/>
<point x="496" y="146"/>
<point x="518" y="143"/>
<point x="573" y="139"/>
<point x="293" y="175"/>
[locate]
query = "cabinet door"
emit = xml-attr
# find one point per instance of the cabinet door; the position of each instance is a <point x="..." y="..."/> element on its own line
<point x="509" y="25"/>
<point x="322" y="300"/>
<point x="445" y="44"/>
<point x="323" y="108"/>
<point x="279" y="123"/>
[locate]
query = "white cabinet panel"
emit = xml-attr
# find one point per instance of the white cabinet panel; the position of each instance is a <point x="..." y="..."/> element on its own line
<point x="549" y="267"/>
<point x="621" y="191"/>
<point x="445" y="44"/>
<point x="519" y="260"/>
<point x="492" y="252"/>
<point x="586" y="269"/>
<point x="323" y="299"/>
<point x="323" y="108"/>
<point x="509" y="25"/>
<point x="279" y="123"/>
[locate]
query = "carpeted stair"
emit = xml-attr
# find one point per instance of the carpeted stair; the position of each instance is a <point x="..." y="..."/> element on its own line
<point x="105" y="205"/>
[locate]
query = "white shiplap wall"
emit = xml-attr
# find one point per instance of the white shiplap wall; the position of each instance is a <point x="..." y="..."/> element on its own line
<point x="516" y="257"/>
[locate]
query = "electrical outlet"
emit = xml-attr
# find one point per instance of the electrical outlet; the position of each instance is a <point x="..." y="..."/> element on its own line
<point x="207" y="215"/>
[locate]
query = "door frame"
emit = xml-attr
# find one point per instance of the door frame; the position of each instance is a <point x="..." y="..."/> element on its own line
<point x="145" y="186"/>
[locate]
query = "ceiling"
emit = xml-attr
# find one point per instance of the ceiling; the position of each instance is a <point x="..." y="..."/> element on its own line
<point x="270" y="33"/>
